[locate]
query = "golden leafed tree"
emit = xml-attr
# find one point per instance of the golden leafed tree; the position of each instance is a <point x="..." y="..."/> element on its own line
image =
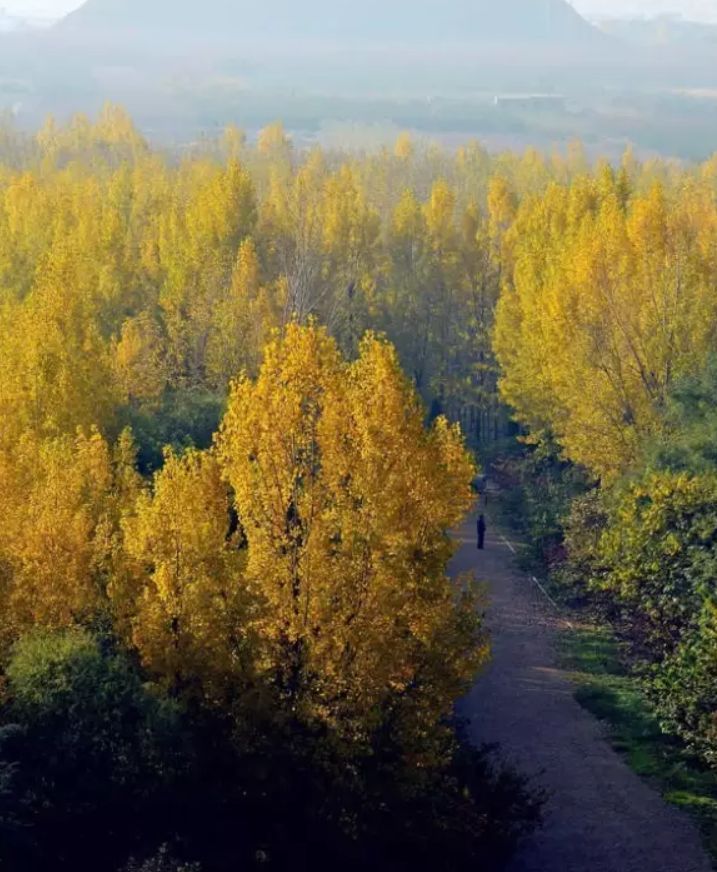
<point x="185" y="586"/>
<point x="61" y="501"/>
<point x="610" y="299"/>
<point x="344" y="499"/>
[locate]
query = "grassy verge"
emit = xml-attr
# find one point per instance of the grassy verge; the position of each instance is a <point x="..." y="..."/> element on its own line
<point x="604" y="687"/>
<point x="505" y="512"/>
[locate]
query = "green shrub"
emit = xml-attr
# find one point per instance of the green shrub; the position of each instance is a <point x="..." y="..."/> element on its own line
<point x="648" y="557"/>
<point x="659" y="558"/>
<point x="577" y="577"/>
<point x="103" y="770"/>
<point x="684" y="688"/>
<point x="86" y="709"/>
<point x="92" y="745"/>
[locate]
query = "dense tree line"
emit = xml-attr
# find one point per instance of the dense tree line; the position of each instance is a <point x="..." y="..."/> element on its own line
<point x="226" y="631"/>
<point x="227" y="469"/>
<point x="605" y="335"/>
<point x="254" y="656"/>
<point x="157" y="278"/>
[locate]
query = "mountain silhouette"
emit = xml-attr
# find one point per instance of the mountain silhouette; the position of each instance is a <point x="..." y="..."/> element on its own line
<point x="538" y="22"/>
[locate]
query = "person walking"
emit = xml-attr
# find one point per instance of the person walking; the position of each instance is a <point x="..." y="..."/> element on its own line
<point x="482" y="528"/>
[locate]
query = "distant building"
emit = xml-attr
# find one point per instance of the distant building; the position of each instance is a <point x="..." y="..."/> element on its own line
<point x="536" y="102"/>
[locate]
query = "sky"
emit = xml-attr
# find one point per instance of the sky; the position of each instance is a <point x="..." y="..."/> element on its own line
<point x="699" y="10"/>
<point x="50" y="8"/>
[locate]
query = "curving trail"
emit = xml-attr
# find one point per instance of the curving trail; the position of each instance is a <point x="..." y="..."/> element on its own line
<point x="600" y="816"/>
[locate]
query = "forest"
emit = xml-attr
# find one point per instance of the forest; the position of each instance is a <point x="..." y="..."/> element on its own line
<point x="245" y="389"/>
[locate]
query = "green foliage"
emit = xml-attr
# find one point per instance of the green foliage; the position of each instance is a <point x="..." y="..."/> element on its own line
<point x="657" y="557"/>
<point x="647" y="557"/>
<point x="88" y="709"/>
<point x="585" y="524"/>
<point x="183" y="419"/>
<point x="90" y="744"/>
<point x="607" y="687"/>
<point x="685" y="687"/>
<point x="688" y="442"/>
<point x="537" y="488"/>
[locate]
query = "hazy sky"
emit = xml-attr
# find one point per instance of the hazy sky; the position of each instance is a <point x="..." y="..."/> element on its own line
<point x="697" y="9"/>
<point x="39" y="7"/>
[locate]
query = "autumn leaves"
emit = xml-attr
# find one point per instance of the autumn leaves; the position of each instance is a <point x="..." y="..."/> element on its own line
<point x="300" y="561"/>
<point x="302" y="556"/>
<point x="609" y="300"/>
<point x="331" y="591"/>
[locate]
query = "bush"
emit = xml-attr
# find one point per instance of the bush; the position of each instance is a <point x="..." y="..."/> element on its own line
<point x="684" y="688"/>
<point x="103" y="769"/>
<point x="577" y="577"/>
<point x="93" y="746"/>
<point x="659" y="559"/>
<point x="86" y="709"/>
<point x="648" y="556"/>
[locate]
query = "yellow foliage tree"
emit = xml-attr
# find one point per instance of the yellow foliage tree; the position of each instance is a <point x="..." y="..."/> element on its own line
<point x="242" y="321"/>
<point x="344" y="500"/>
<point x="608" y="303"/>
<point x="192" y="619"/>
<point x="139" y="360"/>
<point x="61" y="500"/>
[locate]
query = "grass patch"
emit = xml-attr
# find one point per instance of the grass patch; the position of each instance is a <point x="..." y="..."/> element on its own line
<point x="505" y="511"/>
<point x="606" y="689"/>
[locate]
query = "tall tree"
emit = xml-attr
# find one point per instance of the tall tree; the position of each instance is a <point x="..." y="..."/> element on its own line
<point x="344" y="500"/>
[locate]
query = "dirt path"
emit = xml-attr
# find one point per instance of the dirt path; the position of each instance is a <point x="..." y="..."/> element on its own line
<point x="601" y="817"/>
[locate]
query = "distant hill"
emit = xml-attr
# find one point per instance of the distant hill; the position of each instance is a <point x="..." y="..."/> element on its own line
<point x="537" y="22"/>
<point x="663" y="31"/>
<point x="182" y="65"/>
